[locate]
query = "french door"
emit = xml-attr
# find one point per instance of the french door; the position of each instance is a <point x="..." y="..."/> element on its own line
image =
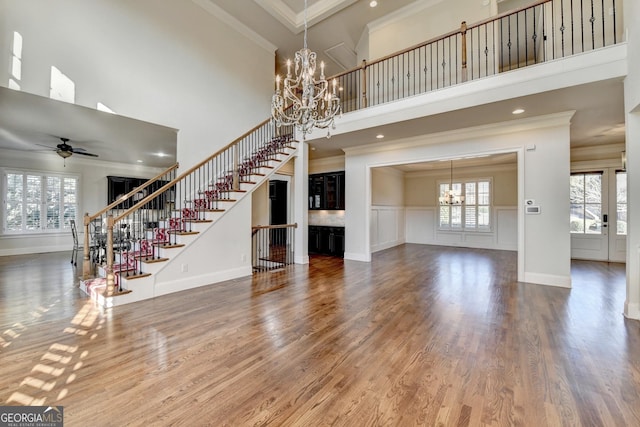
<point x="598" y="215"/>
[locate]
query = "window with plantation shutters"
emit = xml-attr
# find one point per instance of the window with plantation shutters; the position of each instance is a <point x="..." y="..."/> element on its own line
<point x="39" y="202"/>
<point x="472" y="215"/>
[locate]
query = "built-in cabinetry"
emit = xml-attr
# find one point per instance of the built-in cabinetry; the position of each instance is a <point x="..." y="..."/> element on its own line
<point x="118" y="186"/>
<point x="326" y="240"/>
<point x="326" y="191"/>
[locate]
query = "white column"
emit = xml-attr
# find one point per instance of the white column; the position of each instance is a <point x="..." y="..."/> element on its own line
<point x="632" y="110"/>
<point x="301" y="203"/>
<point x="632" y="303"/>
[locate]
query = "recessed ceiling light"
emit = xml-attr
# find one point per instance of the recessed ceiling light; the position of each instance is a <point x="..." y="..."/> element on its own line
<point x="139" y="161"/>
<point x="313" y="148"/>
<point x="517" y="111"/>
<point x="373" y="3"/>
<point x="379" y="136"/>
<point x="162" y="155"/>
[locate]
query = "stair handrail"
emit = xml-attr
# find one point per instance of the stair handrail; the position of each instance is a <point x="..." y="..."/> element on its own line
<point x="86" y="265"/>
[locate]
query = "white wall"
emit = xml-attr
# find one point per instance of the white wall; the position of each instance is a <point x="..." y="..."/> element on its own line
<point x="632" y="109"/>
<point x="260" y="205"/>
<point x="543" y="240"/>
<point x="418" y="22"/>
<point x="168" y="62"/>
<point x="387" y="223"/>
<point x="326" y="164"/>
<point x="93" y="193"/>
<point x="221" y="253"/>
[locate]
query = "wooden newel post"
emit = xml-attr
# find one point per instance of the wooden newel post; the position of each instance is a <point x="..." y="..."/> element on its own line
<point x="463" y="32"/>
<point x="86" y="262"/>
<point x="363" y="74"/>
<point x="110" y="276"/>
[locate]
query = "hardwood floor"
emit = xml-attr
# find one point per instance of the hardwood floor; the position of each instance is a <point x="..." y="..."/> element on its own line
<point x="423" y="335"/>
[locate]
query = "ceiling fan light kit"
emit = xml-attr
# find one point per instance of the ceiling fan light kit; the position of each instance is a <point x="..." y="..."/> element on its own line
<point x="65" y="150"/>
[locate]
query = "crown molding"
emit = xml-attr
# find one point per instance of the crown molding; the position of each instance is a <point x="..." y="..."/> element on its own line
<point x="223" y="16"/>
<point x="295" y="21"/>
<point x="492" y="129"/>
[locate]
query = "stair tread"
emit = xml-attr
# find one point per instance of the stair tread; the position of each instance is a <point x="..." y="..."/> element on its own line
<point x="137" y="276"/>
<point x="183" y="233"/>
<point x="200" y="221"/>
<point x="153" y="260"/>
<point x="169" y="246"/>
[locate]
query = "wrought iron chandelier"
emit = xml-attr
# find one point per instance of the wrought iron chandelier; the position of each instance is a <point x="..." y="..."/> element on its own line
<point x="450" y="197"/>
<point x="305" y="102"/>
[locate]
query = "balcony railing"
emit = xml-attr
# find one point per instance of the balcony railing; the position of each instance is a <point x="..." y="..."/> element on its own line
<point x="544" y="31"/>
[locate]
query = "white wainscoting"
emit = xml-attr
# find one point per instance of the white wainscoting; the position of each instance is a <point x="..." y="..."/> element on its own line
<point x="387" y="227"/>
<point x="422" y="227"/>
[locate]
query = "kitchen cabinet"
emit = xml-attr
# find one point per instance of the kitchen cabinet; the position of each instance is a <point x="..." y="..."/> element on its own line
<point x="326" y="191"/>
<point x="326" y="240"/>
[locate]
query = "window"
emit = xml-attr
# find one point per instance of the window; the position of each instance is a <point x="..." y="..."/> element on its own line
<point x="39" y="202"/>
<point x="621" y="203"/>
<point x="472" y="215"/>
<point x="586" y="203"/>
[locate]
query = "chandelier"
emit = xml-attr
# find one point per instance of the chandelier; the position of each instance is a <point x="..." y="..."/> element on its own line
<point x="449" y="197"/>
<point x="305" y="102"/>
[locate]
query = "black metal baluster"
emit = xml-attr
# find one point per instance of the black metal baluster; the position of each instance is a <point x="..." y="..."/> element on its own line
<point x="582" y="25"/>
<point x="562" y="27"/>
<point x="615" y="36"/>
<point x="604" y="36"/>
<point x="534" y="37"/>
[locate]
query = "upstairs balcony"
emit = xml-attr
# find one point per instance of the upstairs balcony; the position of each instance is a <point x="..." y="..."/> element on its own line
<point x="555" y="55"/>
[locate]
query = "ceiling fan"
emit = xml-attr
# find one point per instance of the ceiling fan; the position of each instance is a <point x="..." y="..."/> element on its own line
<point x="65" y="150"/>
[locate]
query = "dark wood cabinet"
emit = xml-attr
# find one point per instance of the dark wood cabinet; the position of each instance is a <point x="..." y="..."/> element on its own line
<point x="326" y="240"/>
<point x="326" y="191"/>
<point x="317" y="195"/>
<point x="118" y="186"/>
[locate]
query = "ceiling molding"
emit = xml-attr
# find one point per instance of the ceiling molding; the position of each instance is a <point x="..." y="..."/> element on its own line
<point x="223" y="16"/>
<point x="294" y="21"/>
<point x="401" y="14"/>
<point x="344" y="57"/>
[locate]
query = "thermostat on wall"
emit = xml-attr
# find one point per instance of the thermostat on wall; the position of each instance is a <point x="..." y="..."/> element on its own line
<point x="532" y="210"/>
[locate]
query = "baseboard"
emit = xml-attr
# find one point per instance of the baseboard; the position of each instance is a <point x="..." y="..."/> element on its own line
<point x="202" y="280"/>
<point x="353" y="256"/>
<point x="386" y="245"/>
<point x="548" y="279"/>
<point x="37" y="250"/>
<point x="632" y="310"/>
<point x="301" y="259"/>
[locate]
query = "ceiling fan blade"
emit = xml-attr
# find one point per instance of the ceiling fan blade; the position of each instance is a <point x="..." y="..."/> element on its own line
<point x="47" y="146"/>
<point x="85" y="154"/>
<point x="76" y="150"/>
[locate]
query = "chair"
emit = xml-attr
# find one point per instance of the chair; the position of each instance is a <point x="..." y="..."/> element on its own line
<point x="76" y="245"/>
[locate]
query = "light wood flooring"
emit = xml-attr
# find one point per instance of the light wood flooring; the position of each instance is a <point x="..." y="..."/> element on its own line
<point x="423" y="335"/>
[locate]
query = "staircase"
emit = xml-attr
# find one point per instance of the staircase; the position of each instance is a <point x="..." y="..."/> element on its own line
<point x="160" y="225"/>
<point x="145" y="234"/>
